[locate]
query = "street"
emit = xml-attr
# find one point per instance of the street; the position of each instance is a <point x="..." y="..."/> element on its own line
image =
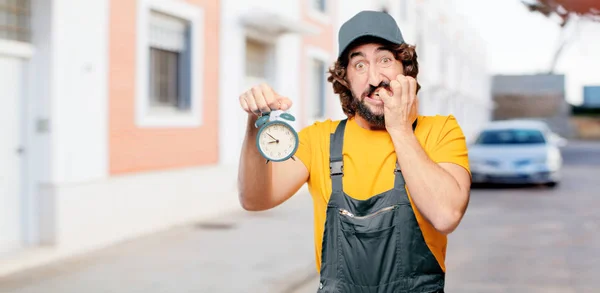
<point x="512" y="239"/>
<point x="534" y="239"/>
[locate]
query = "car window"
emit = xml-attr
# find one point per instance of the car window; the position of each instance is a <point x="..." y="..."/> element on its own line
<point x="511" y="136"/>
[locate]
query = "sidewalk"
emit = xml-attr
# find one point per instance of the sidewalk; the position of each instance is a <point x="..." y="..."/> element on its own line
<point x="246" y="252"/>
<point x="310" y="286"/>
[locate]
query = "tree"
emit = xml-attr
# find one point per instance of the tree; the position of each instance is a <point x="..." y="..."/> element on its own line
<point x="569" y="13"/>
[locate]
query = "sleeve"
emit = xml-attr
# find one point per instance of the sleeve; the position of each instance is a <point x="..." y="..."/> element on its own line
<point x="304" y="152"/>
<point x="451" y="145"/>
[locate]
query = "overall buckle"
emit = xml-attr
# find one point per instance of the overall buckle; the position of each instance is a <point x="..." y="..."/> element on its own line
<point x="336" y="168"/>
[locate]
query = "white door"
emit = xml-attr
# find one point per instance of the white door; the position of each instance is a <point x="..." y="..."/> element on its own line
<point x="11" y="75"/>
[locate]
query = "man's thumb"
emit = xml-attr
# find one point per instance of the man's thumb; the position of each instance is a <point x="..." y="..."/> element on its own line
<point x="284" y="103"/>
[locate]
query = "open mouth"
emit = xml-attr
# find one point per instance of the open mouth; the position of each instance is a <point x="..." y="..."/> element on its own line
<point x="375" y="94"/>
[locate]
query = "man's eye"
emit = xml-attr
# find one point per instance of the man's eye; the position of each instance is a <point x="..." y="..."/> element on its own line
<point x="359" y="65"/>
<point x="386" y="59"/>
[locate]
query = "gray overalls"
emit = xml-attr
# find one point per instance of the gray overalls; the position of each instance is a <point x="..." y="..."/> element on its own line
<point x="373" y="245"/>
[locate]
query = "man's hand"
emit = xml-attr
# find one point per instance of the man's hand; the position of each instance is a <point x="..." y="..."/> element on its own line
<point x="401" y="105"/>
<point x="263" y="99"/>
<point x="264" y="186"/>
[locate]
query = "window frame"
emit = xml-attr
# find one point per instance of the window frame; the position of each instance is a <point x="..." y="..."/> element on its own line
<point x="26" y="13"/>
<point x="318" y="54"/>
<point x="318" y="15"/>
<point x="145" y="116"/>
<point x="17" y="48"/>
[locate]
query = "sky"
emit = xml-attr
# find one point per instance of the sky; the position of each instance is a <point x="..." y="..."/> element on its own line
<point x="523" y="42"/>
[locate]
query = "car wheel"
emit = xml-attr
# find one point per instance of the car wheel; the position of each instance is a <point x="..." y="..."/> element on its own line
<point x="551" y="184"/>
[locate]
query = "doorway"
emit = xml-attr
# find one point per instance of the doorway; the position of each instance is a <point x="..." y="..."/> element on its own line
<point x="12" y="74"/>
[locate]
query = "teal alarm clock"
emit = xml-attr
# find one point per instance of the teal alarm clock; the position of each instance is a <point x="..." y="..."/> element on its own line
<point x="276" y="139"/>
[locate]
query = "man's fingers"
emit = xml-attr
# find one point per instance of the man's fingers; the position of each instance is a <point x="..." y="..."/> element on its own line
<point x="284" y="103"/>
<point x="262" y="99"/>
<point x="396" y="87"/>
<point x="412" y="87"/>
<point x="385" y="94"/>
<point x="259" y="98"/>
<point x="244" y="103"/>
<point x="404" y="84"/>
<point x="251" y="101"/>
<point x="270" y="97"/>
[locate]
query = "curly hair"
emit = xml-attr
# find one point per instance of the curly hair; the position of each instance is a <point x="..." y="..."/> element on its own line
<point x="405" y="53"/>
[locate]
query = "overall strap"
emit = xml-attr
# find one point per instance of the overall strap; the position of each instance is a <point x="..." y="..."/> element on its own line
<point x="336" y="163"/>
<point x="399" y="182"/>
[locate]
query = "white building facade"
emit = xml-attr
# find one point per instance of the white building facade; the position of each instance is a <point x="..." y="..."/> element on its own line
<point x="121" y="118"/>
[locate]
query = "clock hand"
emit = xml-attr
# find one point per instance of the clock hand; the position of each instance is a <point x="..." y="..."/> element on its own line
<point x="276" y="140"/>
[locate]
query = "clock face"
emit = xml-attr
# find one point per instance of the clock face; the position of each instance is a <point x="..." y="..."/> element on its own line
<point x="277" y="141"/>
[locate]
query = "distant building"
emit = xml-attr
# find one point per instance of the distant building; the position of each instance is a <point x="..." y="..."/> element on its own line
<point x="591" y="97"/>
<point x="540" y="96"/>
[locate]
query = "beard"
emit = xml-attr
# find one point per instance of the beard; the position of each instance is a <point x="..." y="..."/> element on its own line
<point x="374" y="117"/>
<point x="376" y="120"/>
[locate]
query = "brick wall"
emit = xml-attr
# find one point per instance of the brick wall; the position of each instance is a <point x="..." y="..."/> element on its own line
<point x="134" y="149"/>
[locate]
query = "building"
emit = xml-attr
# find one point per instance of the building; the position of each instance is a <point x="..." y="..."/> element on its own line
<point x="591" y="96"/>
<point x="538" y="96"/>
<point x="122" y="117"/>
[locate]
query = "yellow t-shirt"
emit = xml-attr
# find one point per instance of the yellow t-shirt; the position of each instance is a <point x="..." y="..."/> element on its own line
<point x="369" y="156"/>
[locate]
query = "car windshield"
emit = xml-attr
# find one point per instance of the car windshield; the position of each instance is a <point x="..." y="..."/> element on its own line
<point x="511" y="136"/>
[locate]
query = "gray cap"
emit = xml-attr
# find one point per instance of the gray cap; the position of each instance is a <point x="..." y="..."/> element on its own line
<point x="369" y="23"/>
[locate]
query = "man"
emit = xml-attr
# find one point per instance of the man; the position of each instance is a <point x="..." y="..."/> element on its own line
<point x="388" y="184"/>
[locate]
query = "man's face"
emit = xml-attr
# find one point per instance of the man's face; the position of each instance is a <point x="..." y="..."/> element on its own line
<point x="371" y="67"/>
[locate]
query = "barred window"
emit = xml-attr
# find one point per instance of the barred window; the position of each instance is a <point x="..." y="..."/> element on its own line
<point x="169" y="62"/>
<point x="15" y="20"/>
<point x="320" y="5"/>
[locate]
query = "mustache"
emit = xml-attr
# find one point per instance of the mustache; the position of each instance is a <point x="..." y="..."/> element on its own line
<point x="372" y="89"/>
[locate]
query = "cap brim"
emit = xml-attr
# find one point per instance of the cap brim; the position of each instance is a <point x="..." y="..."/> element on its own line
<point x="354" y="40"/>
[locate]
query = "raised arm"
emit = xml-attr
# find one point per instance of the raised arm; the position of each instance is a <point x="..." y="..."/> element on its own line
<point x="264" y="186"/>
<point x="439" y="187"/>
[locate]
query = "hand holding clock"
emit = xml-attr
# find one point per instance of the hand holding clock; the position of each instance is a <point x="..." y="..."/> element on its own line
<point x="276" y="140"/>
<point x="263" y="99"/>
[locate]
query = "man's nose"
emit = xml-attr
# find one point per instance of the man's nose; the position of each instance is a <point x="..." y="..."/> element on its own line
<point x="375" y="77"/>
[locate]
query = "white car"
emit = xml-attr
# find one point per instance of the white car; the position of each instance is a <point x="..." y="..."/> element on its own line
<point x="516" y="152"/>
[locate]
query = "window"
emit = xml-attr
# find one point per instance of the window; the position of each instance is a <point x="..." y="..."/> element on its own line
<point x="511" y="136"/>
<point x="169" y="65"/>
<point x="169" y="80"/>
<point x="320" y="5"/>
<point x="15" y="20"/>
<point x="256" y="59"/>
<point x="318" y="10"/>
<point x="259" y="62"/>
<point x="318" y="71"/>
<point x="317" y="65"/>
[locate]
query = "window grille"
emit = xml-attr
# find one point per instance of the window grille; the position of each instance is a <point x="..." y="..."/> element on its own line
<point x="15" y="20"/>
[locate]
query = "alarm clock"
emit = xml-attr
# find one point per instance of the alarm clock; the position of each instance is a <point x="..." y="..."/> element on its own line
<point x="276" y="140"/>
